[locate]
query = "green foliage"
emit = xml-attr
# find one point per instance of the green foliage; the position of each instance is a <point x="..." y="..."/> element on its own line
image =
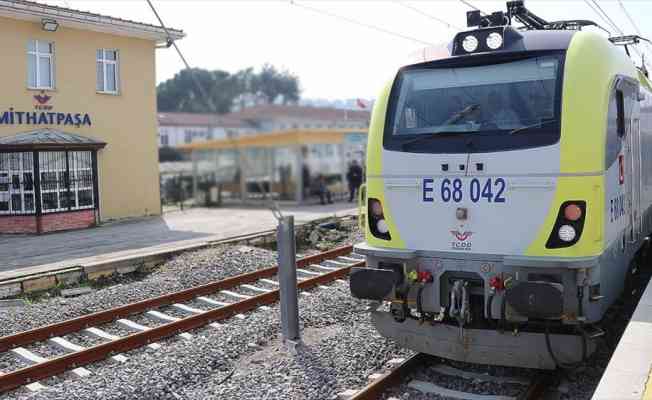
<point x="221" y="89"/>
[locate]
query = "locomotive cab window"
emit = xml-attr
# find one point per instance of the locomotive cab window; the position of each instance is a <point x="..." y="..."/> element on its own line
<point x="501" y="106"/>
<point x="620" y="109"/>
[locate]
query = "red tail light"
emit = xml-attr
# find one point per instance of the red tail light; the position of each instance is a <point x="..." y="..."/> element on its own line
<point x="572" y="212"/>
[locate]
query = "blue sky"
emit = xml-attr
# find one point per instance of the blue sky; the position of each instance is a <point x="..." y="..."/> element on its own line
<point x="334" y="58"/>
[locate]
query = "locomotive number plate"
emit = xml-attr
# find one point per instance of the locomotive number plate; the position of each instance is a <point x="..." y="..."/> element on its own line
<point x="491" y="190"/>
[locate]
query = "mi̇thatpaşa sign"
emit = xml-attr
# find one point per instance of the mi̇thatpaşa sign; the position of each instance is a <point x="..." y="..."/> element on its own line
<point x="43" y="115"/>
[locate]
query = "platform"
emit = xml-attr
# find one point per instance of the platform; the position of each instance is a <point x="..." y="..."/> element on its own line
<point x="23" y="254"/>
<point x="628" y="375"/>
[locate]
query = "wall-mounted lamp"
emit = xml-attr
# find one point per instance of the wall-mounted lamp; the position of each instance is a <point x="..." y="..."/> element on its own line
<point x="49" y="25"/>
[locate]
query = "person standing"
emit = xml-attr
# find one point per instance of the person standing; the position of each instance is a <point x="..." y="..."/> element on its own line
<point x="354" y="177"/>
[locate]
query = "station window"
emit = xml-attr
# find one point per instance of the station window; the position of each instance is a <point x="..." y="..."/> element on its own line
<point x="16" y="183"/>
<point x="66" y="184"/>
<point x="107" y="71"/>
<point x="40" y="64"/>
<point x="164" y="140"/>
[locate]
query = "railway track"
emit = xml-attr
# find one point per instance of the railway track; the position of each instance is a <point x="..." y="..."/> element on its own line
<point x="535" y="389"/>
<point x="311" y="272"/>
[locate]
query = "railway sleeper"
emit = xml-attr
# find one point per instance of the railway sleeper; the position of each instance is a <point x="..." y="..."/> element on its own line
<point x="72" y="347"/>
<point x="33" y="358"/>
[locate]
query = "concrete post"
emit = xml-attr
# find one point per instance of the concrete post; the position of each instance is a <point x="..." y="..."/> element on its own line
<point x="195" y="168"/>
<point x="287" y="276"/>
<point x="300" y="161"/>
<point x="243" y="174"/>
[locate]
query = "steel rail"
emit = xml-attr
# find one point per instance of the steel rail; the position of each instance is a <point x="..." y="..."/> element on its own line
<point x="391" y="378"/>
<point x="102" y="317"/>
<point x="374" y="390"/>
<point x="64" y="363"/>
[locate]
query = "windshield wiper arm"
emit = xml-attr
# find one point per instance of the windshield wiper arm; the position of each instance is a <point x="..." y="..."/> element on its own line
<point x="461" y="114"/>
<point x="537" y="125"/>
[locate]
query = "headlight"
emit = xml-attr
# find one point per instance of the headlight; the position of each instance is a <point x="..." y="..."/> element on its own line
<point x="470" y="43"/>
<point x="567" y="233"/>
<point x="494" y="40"/>
<point x="382" y="227"/>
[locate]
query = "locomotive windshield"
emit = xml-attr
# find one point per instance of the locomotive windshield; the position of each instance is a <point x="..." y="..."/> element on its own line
<point x="506" y="100"/>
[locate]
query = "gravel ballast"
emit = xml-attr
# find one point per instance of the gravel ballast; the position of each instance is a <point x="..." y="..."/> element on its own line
<point x="244" y="359"/>
<point x="182" y="272"/>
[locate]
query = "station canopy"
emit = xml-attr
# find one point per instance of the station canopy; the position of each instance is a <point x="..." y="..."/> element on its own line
<point x="276" y="139"/>
<point x="48" y="139"/>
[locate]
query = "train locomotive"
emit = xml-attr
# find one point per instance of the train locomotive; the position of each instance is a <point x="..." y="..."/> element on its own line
<point x="508" y="193"/>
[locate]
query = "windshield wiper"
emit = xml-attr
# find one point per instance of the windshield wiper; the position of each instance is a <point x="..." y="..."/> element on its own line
<point x="461" y="114"/>
<point x="537" y="125"/>
<point x="431" y="135"/>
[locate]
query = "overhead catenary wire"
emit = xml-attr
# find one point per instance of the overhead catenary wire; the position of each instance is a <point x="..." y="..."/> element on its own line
<point x="419" y="11"/>
<point x="597" y="12"/>
<point x="595" y="7"/>
<point x="611" y="22"/>
<point x="360" y="23"/>
<point x="468" y="4"/>
<point x="276" y="211"/>
<point x="631" y="21"/>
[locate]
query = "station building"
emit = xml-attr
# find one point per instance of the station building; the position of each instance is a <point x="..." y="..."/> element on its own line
<point x="78" y="129"/>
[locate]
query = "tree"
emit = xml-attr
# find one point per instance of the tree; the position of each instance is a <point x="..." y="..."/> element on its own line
<point x="272" y="85"/>
<point x="221" y="89"/>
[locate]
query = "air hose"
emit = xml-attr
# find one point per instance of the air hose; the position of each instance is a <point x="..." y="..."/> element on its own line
<point x="503" y="319"/>
<point x="419" y="302"/>
<point x="556" y="360"/>
<point x="580" y="328"/>
<point x="490" y="302"/>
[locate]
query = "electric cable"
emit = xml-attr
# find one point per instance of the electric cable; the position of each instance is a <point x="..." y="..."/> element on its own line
<point x="631" y="21"/>
<point x="418" y="11"/>
<point x="468" y="4"/>
<point x="356" y="22"/>
<point x="592" y="7"/>
<point x="613" y="24"/>
<point x="606" y="19"/>
<point x="276" y="211"/>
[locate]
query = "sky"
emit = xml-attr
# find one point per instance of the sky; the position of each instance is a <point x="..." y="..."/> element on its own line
<point x="333" y="58"/>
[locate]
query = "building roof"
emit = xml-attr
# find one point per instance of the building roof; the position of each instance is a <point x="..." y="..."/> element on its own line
<point x="273" y="111"/>
<point x="190" y="119"/>
<point x="276" y="139"/>
<point x="48" y="139"/>
<point x="68" y="17"/>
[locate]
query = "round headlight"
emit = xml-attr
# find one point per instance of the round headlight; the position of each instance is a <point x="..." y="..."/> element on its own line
<point x="470" y="43"/>
<point x="382" y="227"/>
<point x="567" y="233"/>
<point x="494" y="40"/>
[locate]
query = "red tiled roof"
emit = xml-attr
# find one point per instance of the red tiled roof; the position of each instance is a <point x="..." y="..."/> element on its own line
<point x="190" y="119"/>
<point x="301" y="112"/>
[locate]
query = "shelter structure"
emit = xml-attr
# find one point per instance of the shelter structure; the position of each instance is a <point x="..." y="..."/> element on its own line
<point x="284" y="165"/>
